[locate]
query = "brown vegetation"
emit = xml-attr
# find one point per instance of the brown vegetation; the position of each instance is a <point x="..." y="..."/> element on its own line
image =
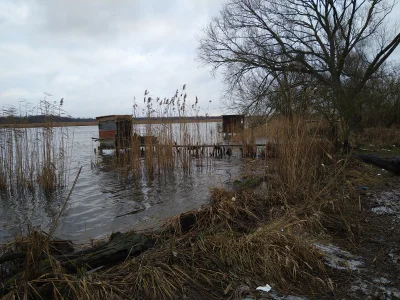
<point x="33" y="158"/>
<point x="295" y="190"/>
<point x="165" y="144"/>
<point x="262" y="232"/>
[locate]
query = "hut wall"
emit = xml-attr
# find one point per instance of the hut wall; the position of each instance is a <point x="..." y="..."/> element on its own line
<point x="232" y="123"/>
<point x="123" y="134"/>
<point x="107" y="129"/>
<point x="115" y="131"/>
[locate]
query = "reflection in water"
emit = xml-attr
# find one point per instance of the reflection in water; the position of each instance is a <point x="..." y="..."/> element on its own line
<point x="104" y="201"/>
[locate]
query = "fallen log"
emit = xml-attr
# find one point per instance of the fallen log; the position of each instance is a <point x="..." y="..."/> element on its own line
<point x="389" y="164"/>
<point x="119" y="247"/>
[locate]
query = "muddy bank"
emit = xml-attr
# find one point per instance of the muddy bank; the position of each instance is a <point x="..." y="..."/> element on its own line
<point x="368" y="266"/>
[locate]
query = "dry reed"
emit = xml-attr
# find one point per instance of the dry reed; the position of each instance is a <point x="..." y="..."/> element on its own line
<point x="240" y="240"/>
<point x="33" y="158"/>
<point x="166" y="145"/>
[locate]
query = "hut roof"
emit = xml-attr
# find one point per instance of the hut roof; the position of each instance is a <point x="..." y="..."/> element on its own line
<point x="114" y="117"/>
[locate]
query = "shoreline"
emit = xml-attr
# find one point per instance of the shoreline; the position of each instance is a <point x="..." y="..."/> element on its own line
<point x="219" y="235"/>
<point x="312" y="229"/>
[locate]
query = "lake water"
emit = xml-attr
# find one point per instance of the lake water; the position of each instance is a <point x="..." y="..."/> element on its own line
<point x="104" y="202"/>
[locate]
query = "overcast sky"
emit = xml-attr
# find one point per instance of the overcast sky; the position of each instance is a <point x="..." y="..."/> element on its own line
<point x="100" y="54"/>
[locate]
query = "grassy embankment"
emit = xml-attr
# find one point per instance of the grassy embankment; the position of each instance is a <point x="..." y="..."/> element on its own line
<point x="261" y="232"/>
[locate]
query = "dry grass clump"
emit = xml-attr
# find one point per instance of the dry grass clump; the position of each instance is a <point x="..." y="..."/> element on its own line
<point x="235" y="212"/>
<point x="229" y="248"/>
<point x="39" y="275"/>
<point x="359" y="174"/>
<point x="26" y="267"/>
<point x="215" y="266"/>
<point x="309" y="176"/>
<point x="47" y="179"/>
<point x="303" y="159"/>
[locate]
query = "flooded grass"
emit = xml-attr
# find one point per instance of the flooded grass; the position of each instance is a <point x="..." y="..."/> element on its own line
<point x="33" y="159"/>
<point x="166" y="145"/>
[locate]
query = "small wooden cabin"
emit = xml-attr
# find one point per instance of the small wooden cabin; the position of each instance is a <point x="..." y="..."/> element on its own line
<point x="115" y="131"/>
<point x="232" y="124"/>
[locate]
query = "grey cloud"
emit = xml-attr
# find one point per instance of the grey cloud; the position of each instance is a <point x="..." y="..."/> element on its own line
<point x="99" y="55"/>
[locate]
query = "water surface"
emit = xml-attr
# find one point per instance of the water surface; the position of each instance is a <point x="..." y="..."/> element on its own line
<point x="104" y="201"/>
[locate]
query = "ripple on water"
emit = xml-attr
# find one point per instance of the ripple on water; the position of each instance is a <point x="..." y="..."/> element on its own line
<point x="103" y="201"/>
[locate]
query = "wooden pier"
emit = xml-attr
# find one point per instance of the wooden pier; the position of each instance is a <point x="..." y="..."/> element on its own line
<point x="220" y="145"/>
<point x="116" y="132"/>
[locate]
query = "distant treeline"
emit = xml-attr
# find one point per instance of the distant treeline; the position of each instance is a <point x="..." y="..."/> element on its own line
<point x="178" y="119"/>
<point x="41" y="119"/>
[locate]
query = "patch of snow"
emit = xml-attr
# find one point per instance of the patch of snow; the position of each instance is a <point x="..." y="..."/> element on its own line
<point x="382" y="280"/>
<point x="339" y="259"/>
<point x="376" y="289"/>
<point x="382" y="210"/>
<point x="394" y="257"/>
<point x="271" y="294"/>
<point x="388" y="203"/>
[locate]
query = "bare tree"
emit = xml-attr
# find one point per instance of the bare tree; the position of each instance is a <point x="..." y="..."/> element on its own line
<point x="315" y="37"/>
<point x="381" y="105"/>
<point x="259" y="93"/>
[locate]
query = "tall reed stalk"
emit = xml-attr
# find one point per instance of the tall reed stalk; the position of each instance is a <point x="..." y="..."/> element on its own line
<point x="33" y="159"/>
<point x="302" y="156"/>
<point x="166" y="146"/>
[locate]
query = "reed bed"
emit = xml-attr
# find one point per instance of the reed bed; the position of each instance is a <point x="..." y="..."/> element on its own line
<point x="167" y="145"/>
<point x="33" y="159"/>
<point x="303" y="156"/>
<point x="259" y="233"/>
